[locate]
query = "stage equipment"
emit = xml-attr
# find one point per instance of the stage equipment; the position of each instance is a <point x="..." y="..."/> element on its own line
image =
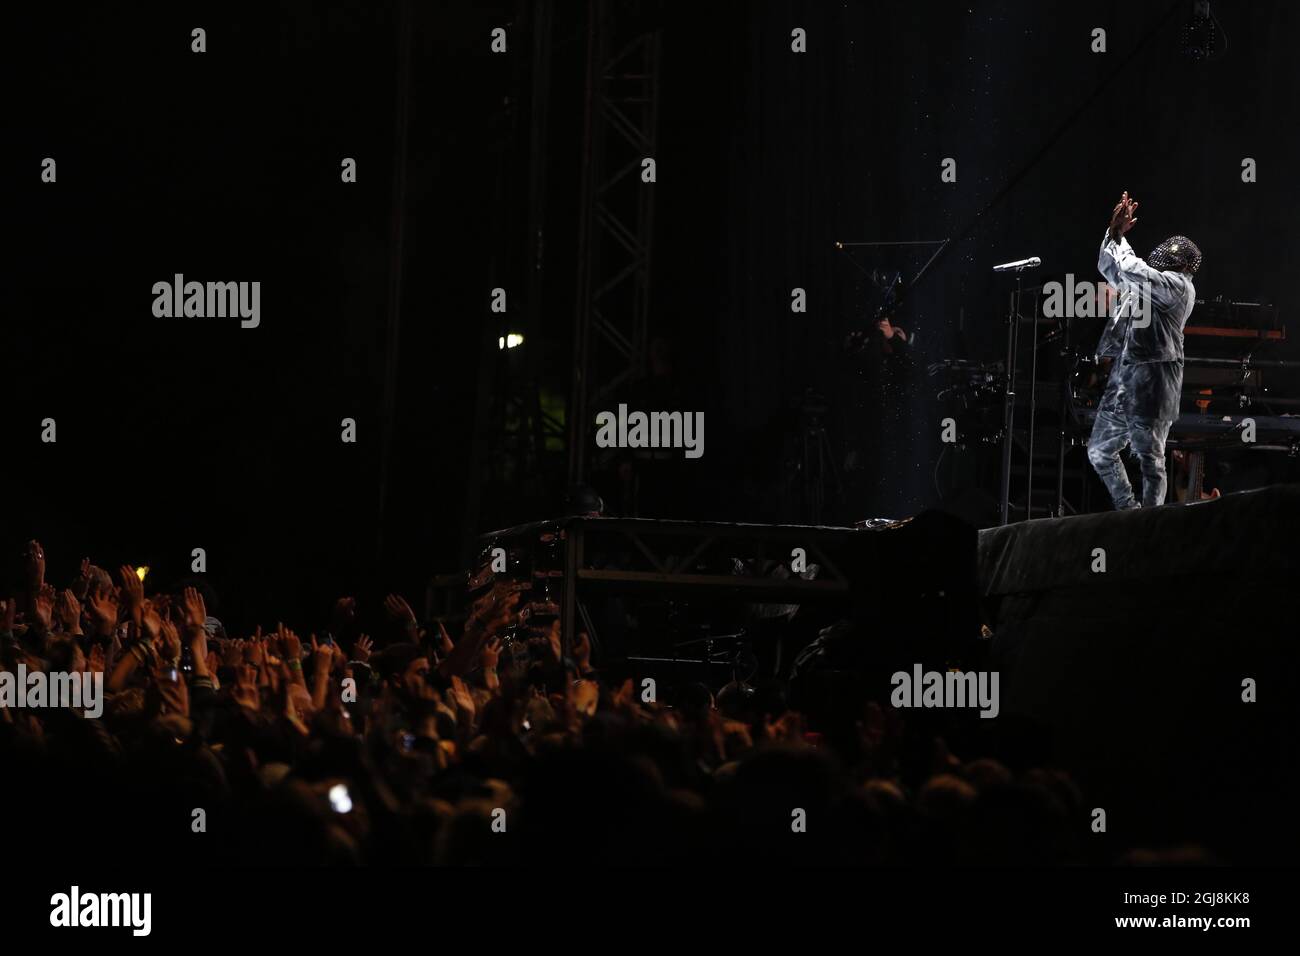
<point x="1009" y="407"/>
<point x="1167" y="685"/>
<point x="914" y="576"/>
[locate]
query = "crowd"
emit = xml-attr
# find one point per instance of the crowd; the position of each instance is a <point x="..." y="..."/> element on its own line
<point x="420" y="747"/>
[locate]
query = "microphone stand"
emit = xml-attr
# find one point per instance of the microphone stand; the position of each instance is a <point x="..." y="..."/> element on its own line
<point x="1009" y="408"/>
<point x="1033" y="407"/>
<point x="1069" y="363"/>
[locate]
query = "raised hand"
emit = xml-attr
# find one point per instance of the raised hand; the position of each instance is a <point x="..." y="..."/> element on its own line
<point x="213" y="658"/>
<point x="1130" y="217"/>
<point x="255" y="649"/>
<point x="291" y="654"/>
<point x="1123" y="216"/>
<point x="197" y="638"/>
<point x="1117" y="216"/>
<point x="102" y="604"/>
<point x="68" y="610"/>
<point x="290" y="644"/>
<point x="151" y="621"/>
<point x="232" y="653"/>
<point x="462" y="696"/>
<point x="170" y="640"/>
<point x="43" y="609"/>
<point x="322" y="656"/>
<point x="245" y="690"/>
<point x="133" y="589"/>
<point x="445" y="646"/>
<point x="362" y="649"/>
<point x="401" y="614"/>
<point x="344" y="614"/>
<point x="494" y="610"/>
<point x="196" y="611"/>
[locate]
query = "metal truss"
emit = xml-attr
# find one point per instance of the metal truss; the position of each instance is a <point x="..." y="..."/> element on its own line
<point x="616" y="219"/>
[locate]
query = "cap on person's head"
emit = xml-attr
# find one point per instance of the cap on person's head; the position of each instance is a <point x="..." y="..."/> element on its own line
<point x="1176" y="254"/>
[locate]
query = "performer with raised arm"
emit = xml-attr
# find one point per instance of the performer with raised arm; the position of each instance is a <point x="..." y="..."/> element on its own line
<point x="1144" y="340"/>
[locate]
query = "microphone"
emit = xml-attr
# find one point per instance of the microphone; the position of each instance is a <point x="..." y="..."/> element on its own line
<point x="1020" y="265"/>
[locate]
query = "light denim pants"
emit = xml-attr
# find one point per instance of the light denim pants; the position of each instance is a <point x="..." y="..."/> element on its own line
<point x="1111" y="432"/>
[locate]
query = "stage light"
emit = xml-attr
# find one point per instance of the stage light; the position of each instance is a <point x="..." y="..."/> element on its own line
<point x="510" y="341"/>
<point x="141" y="571"/>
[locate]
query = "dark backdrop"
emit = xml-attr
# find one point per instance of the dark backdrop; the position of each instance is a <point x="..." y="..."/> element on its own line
<point x="786" y="154"/>
<point x="182" y="433"/>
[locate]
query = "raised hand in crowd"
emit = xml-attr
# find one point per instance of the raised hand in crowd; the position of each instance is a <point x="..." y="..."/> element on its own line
<point x="68" y="610"/>
<point x="132" y="593"/>
<point x="102" y="606"/>
<point x="401" y="614"/>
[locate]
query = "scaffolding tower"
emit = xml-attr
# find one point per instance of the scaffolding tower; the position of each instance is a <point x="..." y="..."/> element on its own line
<point x="616" y="214"/>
